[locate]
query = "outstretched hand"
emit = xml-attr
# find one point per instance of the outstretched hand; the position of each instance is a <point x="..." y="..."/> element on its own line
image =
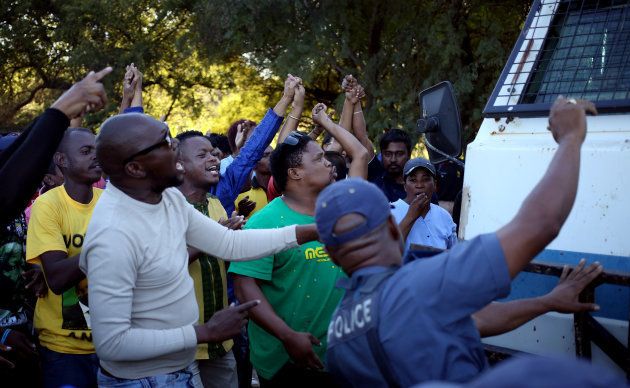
<point x="246" y="206"/>
<point x="85" y="96"/>
<point x="235" y="222"/>
<point x="564" y="297"/>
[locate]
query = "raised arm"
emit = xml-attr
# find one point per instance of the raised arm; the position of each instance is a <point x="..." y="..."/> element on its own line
<point x="238" y="172"/>
<point x="359" y="128"/>
<point x="547" y="207"/>
<point x="498" y="318"/>
<point x="348" y="85"/>
<point x="129" y="88"/>
<point x="136" y="101"/>
<point x="24" y="164"/>
<point x="358" y="167"/>
<point x="293" y="118"/>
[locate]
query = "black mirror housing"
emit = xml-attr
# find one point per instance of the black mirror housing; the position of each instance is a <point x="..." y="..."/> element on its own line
<point x="440" y="122"/>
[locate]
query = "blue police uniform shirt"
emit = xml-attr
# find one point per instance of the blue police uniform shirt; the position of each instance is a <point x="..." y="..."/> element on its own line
<point x="424" y="317"/>
<point x="436" y="229"/>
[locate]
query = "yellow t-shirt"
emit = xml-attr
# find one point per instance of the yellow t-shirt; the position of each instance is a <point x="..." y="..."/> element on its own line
<point x="257" y="195"/>
<point x="58" y="223"/>
<point x="215" y="211"/>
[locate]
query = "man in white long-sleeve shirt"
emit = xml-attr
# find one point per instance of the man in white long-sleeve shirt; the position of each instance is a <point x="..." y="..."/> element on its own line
<point x="142" y="302"/>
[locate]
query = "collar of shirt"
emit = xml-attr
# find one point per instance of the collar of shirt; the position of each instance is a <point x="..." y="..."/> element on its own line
<point x="359" y="276"/>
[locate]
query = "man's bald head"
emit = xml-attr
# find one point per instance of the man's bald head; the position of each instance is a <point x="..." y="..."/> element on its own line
<point x="123" y="135"/>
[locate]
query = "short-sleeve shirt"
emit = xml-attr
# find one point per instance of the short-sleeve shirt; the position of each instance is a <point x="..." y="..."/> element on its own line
<point x="436" y="229"/>
<point x="299" y="283"/>
<point x="425" y="323"/>
<point x="377" y="175"/>
<point x="59" y="223"/>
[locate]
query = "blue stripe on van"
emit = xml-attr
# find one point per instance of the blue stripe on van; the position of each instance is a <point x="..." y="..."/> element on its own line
<point x="613" y="300"/>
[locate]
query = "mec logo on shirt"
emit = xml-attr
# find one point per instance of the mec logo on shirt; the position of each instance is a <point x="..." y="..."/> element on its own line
<point x="316" y="253"/>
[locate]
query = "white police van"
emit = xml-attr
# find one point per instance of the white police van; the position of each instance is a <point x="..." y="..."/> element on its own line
<point x="578" y="49"/>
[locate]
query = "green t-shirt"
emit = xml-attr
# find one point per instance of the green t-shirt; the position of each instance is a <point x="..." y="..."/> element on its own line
<point x="298" y="283"/>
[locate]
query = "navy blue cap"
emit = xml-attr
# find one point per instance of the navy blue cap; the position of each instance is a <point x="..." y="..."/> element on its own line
<point x="352" y="195"/>
<point x="412" y="164"/>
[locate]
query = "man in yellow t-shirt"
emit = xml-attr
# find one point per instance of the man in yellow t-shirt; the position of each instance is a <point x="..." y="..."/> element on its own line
<point x="217" y="365"/>
<point x="59" y="219"/>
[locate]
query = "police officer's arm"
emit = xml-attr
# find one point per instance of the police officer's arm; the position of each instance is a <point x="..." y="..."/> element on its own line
<point x="498" y="318"/>
<point x="61" y="272"/>
<point x="547" y="207"/>
<point x="298" y="345"/>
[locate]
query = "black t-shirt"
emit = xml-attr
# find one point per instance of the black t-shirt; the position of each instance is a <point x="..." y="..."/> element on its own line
<point x="377" y="175"/>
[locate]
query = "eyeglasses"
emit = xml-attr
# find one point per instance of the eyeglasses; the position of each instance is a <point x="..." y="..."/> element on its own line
<point x="168" y="140"/>
<point x="294" y="138"/>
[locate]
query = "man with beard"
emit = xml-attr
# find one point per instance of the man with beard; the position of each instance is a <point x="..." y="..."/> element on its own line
<point x="388" y="175"/>
<point x="201" y="170"/>
<point x="59" y="220"/>
<point x="144" y="313"/>
<point x="295" y="287"/>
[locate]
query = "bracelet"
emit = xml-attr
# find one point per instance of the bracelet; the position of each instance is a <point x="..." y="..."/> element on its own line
<point x="294" y="118"/>
<point x="359" y="111"/>
<point x="4" y="336"/>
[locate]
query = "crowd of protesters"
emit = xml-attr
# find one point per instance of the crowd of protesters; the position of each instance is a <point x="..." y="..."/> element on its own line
<point x="132" y="258"/>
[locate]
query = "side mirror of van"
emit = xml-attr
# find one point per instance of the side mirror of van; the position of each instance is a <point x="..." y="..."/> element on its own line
<point x="440" y="123"/>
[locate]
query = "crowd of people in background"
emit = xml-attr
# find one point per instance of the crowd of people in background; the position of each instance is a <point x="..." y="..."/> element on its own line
<point x="133" y="258"/>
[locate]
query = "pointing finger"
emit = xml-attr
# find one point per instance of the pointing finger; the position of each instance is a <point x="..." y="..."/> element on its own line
<point x="99" y="76"/>
<point x="247" y="305"/>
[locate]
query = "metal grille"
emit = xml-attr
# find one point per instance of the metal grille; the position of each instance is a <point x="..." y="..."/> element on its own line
<point x="586" y="54"/>
<point x="578" y="49"/>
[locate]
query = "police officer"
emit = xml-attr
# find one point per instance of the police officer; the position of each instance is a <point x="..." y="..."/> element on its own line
<point x="400" y="327"/>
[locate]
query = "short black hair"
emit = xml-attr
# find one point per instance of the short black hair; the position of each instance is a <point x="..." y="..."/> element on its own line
<point x="395" y="136"/>
<point x="221" y="142"/>
<point x="66" y="135"/>
<point x="287" y="156"/>
<point x="182" y="137"/>
<point x="337" y="160"/>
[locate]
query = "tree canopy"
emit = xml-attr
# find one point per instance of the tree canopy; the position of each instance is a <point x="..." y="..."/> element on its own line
<point x="209" y="63"/>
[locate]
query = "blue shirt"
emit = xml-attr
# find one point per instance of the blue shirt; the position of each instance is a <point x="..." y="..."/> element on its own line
<point x="425" y="325"/>
<point x="225" y="163"/>
<point x="237" y="173"/>
<point x="436" y="229"/>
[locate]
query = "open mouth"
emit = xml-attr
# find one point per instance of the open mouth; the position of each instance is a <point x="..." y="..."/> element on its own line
<point x="213" y="169"/>
<point x="95" y="166"/>
<point x="179" y="167"/>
